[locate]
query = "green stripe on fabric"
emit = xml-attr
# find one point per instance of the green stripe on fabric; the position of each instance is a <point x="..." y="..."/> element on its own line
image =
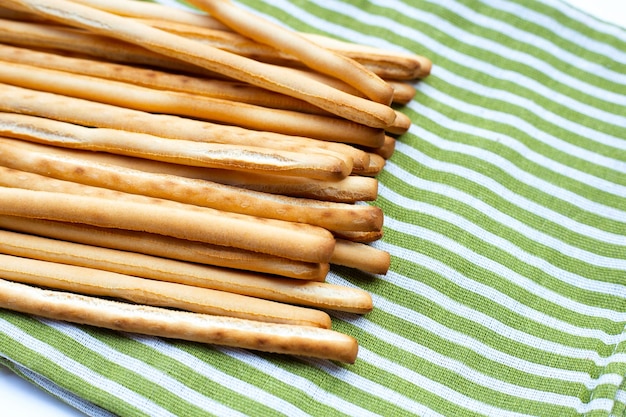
<point x="187" y="376"/>
<point x="452" y="379"/>
<point x="567" y="21"/>
<point x="394" y="33"/>
<point x="55" y="371"/>
<point x="516" y="44"/>
<point x="538" y="223"/>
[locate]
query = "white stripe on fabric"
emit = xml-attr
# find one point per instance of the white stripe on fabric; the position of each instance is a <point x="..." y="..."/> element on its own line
<point x="475" y="345"/>
<point x="515" y="278"/>
<point x="434" y="387"/>
<point x="529" y="38"/>
<point x="521" y="175"/>
<point x="385" y="393"/>
<point x="306" y="386"/>
<point x="146" y="371"/>
<point x="571" y="278"/>
<point x="567" y="33"/>
<point x="500" y="49"/>
<point x="69" y="397"/>
<point x="505" y="219"/>
<point x="415" y="36"/>
<point x="539" y="135"/>
<point x="516" y="122"/>
<point x="455" y="366"/>
<point x="315" y="392"/>
<point x="82" y="372"/>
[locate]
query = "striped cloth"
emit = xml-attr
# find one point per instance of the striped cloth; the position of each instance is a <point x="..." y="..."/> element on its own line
<point x="505" y="217"/>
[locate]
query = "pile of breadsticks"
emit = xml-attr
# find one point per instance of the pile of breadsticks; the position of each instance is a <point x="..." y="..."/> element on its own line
<point x="191" y="175"/>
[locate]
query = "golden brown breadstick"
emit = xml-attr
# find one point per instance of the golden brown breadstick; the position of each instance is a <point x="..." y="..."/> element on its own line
<point x="311" y="54"/>
<point x="88" y="113"/>
<point x="287" y="239"/>
<point x="227" y="331"/>
<point x="61" y="38"/>
<point x="269" y="287"/>
<point x="190" y="105"/>
<point x="377" y="163"/>
<point x="403" y="92"/>
<point x="361" y="256"/>
<point x="391" y="62"/>
<point x="98" y="282"/>
<point x="210" y="155"/>
<point x="359" y="237"/>
<point x="388" y="148"/>
<point x="82" y="176"/>
<point x="168" y="247"/>
<point x="273" y="78"/>
<point x="400" y="126"/>
<point x="217" y="88"/>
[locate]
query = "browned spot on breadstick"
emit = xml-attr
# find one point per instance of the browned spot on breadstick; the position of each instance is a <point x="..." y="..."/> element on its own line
<point x="228" y="331"/>
<point x="273" y="78"/>
<point x="168" y="247"/>
<point x="359" y="237"/>
<point x="291" y="240"/>
<point x="98" y="282"/>
<point x="264" y="286"/>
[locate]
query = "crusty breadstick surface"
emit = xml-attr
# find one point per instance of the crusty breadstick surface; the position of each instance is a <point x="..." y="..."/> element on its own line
<point x="90" y="281"/>
<point x="265" y="286"/>
<point x="226" y="331"/>
<point x="168" y="247"/>
<point x="291" y="240"/>
<point x="274" y="78"/>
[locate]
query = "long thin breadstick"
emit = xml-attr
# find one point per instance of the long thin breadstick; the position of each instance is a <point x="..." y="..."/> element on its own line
<point x="361" y="256"/>
<point x="389" y="63"/>
<point x="98" y="282"/>
<point x="273" y="78"/>
<point x="209" y="155"/>
<point x="227" y="331"/>
<point x="311" y="54"/>
<point x="190" y="105"/>
<point x="263" y="286"/>
<point x="222" y="89"/>
<point x="168" y="247"/>
<point x="76" y="41"/>
<point x="89" y="113"/>
<point x="291" y="240"/>
<point x="81" y="175"/>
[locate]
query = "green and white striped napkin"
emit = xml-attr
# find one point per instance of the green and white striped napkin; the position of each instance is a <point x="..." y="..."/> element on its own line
<point x="506" y="220"/>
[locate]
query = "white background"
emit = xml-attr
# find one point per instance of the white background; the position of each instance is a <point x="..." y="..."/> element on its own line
<point x="19" y="398"/>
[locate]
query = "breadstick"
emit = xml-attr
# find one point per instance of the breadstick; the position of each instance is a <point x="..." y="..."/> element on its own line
<point x="273" y="78"/>
<point x="46" y="36"/>
<point x="227" y="331"/>
<point x="222" y="89"/>
<point x="209" y="155"/>
<point x="83" y="177"/>
<point x="359" y="237"/>
<point x="311" y="54"/>
<point x="400" y="126"/>
<point x="387" y="149"/>
<point x="190" y="105"/>
<point x="361" y="256"/>
<point x="269" y="287"/>
<point x="290" y="240"/>
<point x="377" y="163"/>
<point x="403" y="92"/>
<point x="347" y="190"/>
<point x="98" y="282"/>
<point x="168" y="247"/>
<point x="89" y="113"/>
<point x="396" y="63"/>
